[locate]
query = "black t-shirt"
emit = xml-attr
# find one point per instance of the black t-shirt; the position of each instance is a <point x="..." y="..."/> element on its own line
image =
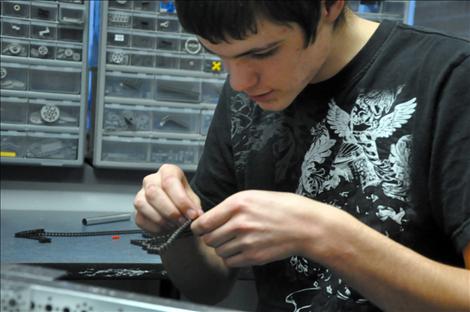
<point x="387" y="139"/>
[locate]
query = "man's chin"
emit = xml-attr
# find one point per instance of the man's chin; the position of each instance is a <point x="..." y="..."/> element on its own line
<point x="273" y="106"/>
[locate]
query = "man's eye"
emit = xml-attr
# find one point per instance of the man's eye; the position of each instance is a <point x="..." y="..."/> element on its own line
<point x="263" y="55"/>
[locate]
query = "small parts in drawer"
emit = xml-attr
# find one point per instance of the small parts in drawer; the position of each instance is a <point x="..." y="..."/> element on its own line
<point x="68" y="54"/>
<point x="171" y="123"/>
<point x="15" y="49"/>
<point x="119" y="19"/>
<point x="50" y="114"/>
<point x="15" y="29"/>
<point x="15" y="9"/>
<point x="10" y="83"/>
<point x="42" y="51"/>
<point x="127" y="120"/>
<point x="43" y="32"/>
<point x="71" y="16"/>
<point x="119" y="58"/>
<point x="52" y="148"/>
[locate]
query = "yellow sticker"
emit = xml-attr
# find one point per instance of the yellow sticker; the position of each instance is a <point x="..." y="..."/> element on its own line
<point x="216" y="66"/>
<point x="7" y="154"/>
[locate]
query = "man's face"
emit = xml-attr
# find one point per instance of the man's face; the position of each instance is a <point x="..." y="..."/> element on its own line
<point x="273" y="66"/>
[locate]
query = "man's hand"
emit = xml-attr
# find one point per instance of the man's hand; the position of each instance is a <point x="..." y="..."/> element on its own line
<point x="257" y="227"/>
<point x="165" y="201"/>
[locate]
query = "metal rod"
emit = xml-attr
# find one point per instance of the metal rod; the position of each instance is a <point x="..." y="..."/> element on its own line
<point x="106" y="219"/>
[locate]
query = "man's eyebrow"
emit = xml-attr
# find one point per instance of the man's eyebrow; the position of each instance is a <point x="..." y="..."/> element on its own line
<point x="251" y="51"/>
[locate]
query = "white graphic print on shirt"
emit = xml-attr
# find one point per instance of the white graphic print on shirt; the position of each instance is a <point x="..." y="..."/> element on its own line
<point x="349" y="142"/>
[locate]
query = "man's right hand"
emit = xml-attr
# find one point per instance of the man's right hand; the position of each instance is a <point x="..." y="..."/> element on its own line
<point x="165" y="201"/>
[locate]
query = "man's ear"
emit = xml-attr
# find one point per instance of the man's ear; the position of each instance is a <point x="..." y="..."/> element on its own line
<point x="332" y="10"/>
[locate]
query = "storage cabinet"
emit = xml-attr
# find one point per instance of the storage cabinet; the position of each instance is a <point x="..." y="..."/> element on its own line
<point x="157" y="88"/>
<point x="43" y="82"/>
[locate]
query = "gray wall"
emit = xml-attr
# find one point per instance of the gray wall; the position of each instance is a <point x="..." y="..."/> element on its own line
<point x="449" y="16"/>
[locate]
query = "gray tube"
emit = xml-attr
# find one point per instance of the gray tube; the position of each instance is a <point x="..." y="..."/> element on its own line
<point x="106" y="219"/>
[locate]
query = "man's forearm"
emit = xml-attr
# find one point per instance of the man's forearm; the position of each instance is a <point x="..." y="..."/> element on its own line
<point x="197" y="271"/>
<point x="394" y="277"/>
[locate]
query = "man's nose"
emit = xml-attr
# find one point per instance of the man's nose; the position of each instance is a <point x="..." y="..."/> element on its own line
<point x="242" y="76"/>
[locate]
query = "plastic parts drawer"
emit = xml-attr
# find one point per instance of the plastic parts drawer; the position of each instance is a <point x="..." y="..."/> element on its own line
<point x="178" y="89"/>
<point x="206" y="119"/>
<point x="13" y="110"/>
<point x="43" y="31"/>
<point x="15" y="9"/>
<point x="52" y="146"/>
<point x="12" y="144"/>
<point x="55" y="79"/>
<point x="125" y="149"/>
<point x="13" y="47"/>
<point x="44" y="11"/>
<point x="15" y="28"/>
<point x="51" y="113"/>
<point x="176" y="120"/>
<point x="131" y="85"/>
<point x="13" y="76"/>
<point x="211" y="90"/>
<point x="126" y="118"/>
<point x="175" y="151"/>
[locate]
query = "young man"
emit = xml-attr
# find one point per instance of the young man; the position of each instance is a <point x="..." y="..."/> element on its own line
<point x="337" y="163"/>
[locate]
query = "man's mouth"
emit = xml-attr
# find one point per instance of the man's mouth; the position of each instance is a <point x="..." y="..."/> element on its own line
<point x="262" y="97"/>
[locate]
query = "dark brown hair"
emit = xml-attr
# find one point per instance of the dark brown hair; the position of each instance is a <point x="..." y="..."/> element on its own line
<point x="218" y="21"/>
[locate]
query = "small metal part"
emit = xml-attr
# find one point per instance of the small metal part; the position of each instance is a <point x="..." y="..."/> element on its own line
<point x="117" y="57"/>
<point x="43" y="51"/>
<point x="68" y="52"/>
<point x="3" y="73"/>
<point x="45" y="32"/>
<point x="121" y="2"/>
<point x="168" y="121"/>
<point x="118" y="18"/>
<point x="35" y="118"/>
<point x="192" y="46"/>
<point x="50" y="113"/>
<point x="106" y="219"/>
<point x="17" y="7"/>
<point x="76" y="57"/>
<point x="14" y="49"/>
<point x="164" y="24"/>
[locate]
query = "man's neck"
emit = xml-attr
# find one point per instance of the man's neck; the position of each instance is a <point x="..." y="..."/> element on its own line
<point x="348" y="40"/>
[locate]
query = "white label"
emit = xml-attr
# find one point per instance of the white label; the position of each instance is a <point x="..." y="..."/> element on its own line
<point x="119" y="37"/>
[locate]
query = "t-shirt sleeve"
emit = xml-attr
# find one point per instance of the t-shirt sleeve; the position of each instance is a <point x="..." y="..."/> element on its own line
<point x="450" y="156"/>
<point x="215" y="179"/>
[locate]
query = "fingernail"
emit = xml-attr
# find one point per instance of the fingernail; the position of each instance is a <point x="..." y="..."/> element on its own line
<point x="182" y="220"/>
<point x="192" y="214"/>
